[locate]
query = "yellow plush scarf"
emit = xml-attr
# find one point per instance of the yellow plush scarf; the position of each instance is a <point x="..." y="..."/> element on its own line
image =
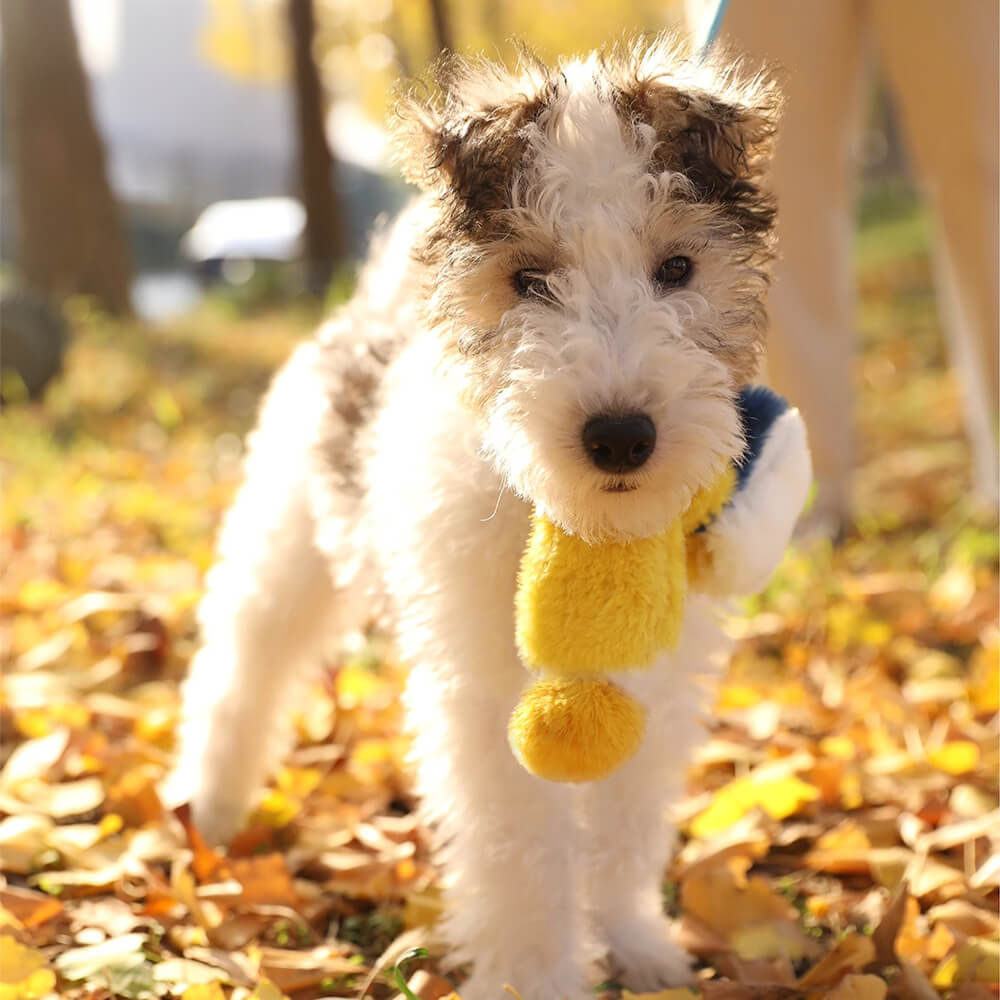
<point x="585" y="611"/>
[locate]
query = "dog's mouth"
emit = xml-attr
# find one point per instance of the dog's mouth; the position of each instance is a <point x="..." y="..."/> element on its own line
<point x="620" y="486"/>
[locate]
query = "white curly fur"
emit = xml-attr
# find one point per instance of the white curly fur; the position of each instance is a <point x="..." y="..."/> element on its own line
<point x="390" y="463"/>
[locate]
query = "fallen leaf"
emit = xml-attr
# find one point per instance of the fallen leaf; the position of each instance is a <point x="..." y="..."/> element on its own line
<point x="266" y="990"/>
<point x="24" y="972"/>
<point x="855" y="987"/>
<point x="29" y="907"/>
<point x="976" y="961"/>
<point x="850" y="954"/>
<point x="33" y="759"/>
<point x="884" y="936"/>
<point x="957" y="757"/>
<point x="426" y="986"/>
<point x="778" y="797"/>
<point x="204" y="991"/>
<point x="121" y="954"/>
<point x="746" y="912"/>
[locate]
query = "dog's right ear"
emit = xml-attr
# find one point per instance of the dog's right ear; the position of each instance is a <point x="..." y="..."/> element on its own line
<point x="462" y="135"/>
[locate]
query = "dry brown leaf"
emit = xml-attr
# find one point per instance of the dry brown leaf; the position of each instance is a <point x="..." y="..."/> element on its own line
<point x="966" y="917"/>
<point x="859" y="987"/>
<point x="987" y="874"/>
<point x="716" y="989"/>
<point x="912" y="984"/>
<point x="30" y="908"/>
<point x="884" y="936"/>
<point x="850" y="954"/>
<point x="265" y="879"/>
<point x="756" y="972"/>
<point x="745" y="912"/>
<point x="33" y="759"/>
<point x="291" y="970"/>
<point x="427" y="986"/>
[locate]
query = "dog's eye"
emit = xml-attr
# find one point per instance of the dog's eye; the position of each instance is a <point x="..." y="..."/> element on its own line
<point x="674" y="272"/>
<point x="532" y="284"/>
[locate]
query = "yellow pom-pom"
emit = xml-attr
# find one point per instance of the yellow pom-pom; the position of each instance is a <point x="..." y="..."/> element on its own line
<point x="593" y="608"/>
<point x="574" y="729"/>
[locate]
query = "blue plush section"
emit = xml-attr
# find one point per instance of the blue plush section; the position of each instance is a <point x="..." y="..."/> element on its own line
<point x="759" y="408"/>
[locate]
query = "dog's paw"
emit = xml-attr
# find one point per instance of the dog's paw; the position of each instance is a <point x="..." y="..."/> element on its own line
<point x="645" y="957"/>
<point x="218" y="808"/>
<point x="217" y="819"/>
<point x="529" y="984"/>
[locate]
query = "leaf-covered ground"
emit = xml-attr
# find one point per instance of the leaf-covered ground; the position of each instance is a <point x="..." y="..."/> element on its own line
<point x="841" y="834"/>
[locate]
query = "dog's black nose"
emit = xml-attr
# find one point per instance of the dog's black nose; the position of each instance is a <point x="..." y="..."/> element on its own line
<point x="619" y="444"/>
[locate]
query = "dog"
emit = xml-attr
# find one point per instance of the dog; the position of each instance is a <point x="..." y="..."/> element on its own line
<point x="590" y="249"/>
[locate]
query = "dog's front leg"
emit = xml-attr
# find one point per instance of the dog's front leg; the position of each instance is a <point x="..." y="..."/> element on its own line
<point x="628" y="830"/>
<point x="507" y="841"/>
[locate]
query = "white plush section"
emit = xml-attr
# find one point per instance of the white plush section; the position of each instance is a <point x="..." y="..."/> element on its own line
<point x="748" y="539"/>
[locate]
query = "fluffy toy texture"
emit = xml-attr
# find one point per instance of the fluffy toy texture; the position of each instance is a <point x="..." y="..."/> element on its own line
<point x="585" y="610"/>
<point x="575" y="728"/>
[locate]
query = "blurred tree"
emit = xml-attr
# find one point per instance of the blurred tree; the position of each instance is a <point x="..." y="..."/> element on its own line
<point x="326" y="235"/>
<point x="442" y="26"/>
<point x="70" y="238"/>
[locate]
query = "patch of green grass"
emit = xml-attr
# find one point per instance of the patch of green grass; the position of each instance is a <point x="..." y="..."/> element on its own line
<point x="892" y="223"/>
<point x="372" y="932"/>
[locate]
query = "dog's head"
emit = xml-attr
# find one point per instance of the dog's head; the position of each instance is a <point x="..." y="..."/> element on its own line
<point x="598" y="267"/>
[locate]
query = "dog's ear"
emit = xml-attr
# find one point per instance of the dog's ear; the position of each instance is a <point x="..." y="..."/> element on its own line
<point x="713" y="123"/>
<point x="461" y="135"/>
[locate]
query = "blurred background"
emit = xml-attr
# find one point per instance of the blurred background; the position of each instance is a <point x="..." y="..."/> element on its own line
<point x="179" y="106"/>
<point x="128" y="122"/>
<point x="185" y="187"/>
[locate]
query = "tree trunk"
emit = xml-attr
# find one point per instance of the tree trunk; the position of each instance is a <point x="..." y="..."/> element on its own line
<point x="443" y="38"/>
<point x="325" y="237"/>
<point x="69" y="234"/>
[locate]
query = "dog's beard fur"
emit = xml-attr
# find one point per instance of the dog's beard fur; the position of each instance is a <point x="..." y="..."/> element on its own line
<point x="582" y="195"/>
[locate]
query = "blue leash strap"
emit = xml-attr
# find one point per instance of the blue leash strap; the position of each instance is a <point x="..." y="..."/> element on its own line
<point x="714" y="27"/>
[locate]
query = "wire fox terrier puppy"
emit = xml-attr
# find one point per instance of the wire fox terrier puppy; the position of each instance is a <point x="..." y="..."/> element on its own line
<point x="563" y="320"/>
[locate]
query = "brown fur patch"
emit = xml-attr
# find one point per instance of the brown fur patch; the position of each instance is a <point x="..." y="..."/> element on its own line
<point x="462" y="137"/>
<point x="713" y="124"/>
<point x="467" y="143"/>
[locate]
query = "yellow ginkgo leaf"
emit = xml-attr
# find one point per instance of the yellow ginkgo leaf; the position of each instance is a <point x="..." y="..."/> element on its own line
<point x="204" y="991"/>
<point x="266" y="990"/>
<point x="778" y="797"/>
<point x="956" y="757"/>
<point x="24" y="972"/>
<point x="976" y="961"/>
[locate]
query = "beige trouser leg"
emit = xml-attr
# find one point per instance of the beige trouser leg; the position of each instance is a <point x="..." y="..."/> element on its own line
<point x="941" y="60"/>
<point x="820" y="54"/>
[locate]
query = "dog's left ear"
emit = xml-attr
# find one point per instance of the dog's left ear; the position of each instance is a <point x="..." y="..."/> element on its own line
<point x="713" y="123"/>
<point x="462" y="134"/>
